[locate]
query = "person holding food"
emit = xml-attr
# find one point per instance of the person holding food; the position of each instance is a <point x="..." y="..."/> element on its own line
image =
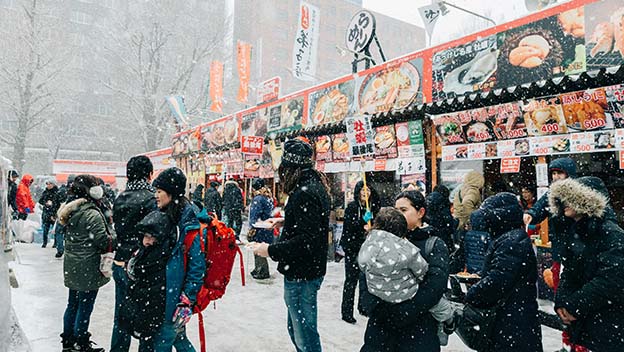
<point x="508" y="277"/>
<point x="302" y="248"/>
<point x="260" y="210"/>
<point x="353" y="235"/>
<point x="590" y="295"/>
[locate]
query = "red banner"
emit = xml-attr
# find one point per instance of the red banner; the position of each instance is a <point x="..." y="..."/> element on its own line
<point x="252" y="144"/>
<point x="510" y="165"/>
<point x="243" y="51"/>
<point x="216" y="86"/>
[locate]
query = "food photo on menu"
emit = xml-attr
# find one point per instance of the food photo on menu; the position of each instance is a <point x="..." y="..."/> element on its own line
<point x="604" y="34"/>
<point x="544" y="117"/>
<point x="394" y="87"/>
<point x="466" y="68"/>
<point x="331" y="104"/>
<point x="587" y="110"/>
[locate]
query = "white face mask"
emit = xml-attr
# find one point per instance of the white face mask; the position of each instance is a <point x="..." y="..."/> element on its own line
<point x="96" y="192"/>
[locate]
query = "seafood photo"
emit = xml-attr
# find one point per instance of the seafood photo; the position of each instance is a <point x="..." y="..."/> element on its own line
<point x="545" y="121"/>
<point x="474" y="72"/>
<point x="390" y="88"/>
<point x="608" y="36"/>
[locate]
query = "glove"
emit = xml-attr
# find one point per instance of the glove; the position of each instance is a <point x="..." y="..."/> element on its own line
<point x="27" y="211"/>
<point x="182" y="313"/>
<point x="368" y="216"/>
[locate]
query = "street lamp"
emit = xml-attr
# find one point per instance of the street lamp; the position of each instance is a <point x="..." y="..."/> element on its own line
<point x="443" y="7"/>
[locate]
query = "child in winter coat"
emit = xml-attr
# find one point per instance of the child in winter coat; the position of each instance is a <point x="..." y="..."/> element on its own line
<point x="393" y="266"/>
<point x="143" y="313"/>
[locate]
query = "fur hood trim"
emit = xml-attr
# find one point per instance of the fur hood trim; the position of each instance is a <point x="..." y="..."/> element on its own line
<point x="67" y="209"/>
<point x="583" y="199"/>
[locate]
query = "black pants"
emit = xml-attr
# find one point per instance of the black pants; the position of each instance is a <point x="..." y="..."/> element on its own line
<point x="261" y="267"/>
<point x="352" y="276"/>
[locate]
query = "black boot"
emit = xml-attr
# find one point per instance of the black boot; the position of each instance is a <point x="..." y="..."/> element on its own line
<point x="68" y="343"/>
<point x="85" y="344"/>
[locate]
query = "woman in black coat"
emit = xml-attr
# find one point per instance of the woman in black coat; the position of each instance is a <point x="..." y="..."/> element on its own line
<point x="508" y="278"/>
<point x="590" y="296"/>
<point x="353" y="235"/>
<point x="409" y="326"/>
<point x="439" y="216"/>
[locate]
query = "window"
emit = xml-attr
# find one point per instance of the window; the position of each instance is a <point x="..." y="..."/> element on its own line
<point x="104" y="109"/>
<point x="108" y="3"/>
<point x="7" y="3"/>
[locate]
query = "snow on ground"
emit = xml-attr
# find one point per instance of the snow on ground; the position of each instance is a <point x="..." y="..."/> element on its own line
<point x="250" y="318"/>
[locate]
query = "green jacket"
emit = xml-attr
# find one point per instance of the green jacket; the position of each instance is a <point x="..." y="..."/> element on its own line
<point x="86" y="237"/>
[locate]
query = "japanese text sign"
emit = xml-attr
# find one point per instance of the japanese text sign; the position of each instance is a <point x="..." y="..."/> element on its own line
<point x="252" y="144"/>
<point x="510" y="165"/>
<point x="360" y="31"/>
<point x="306" y="43"/>
<point x="361" y="135"/>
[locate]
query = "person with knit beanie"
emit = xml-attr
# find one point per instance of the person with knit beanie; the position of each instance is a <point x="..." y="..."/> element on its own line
<point x="302" y="248"/>
<point x="590" y="296"/>
<point x="182" y="282"/>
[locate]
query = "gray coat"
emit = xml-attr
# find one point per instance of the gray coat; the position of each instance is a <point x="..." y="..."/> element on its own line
<point x="393" y="266"/>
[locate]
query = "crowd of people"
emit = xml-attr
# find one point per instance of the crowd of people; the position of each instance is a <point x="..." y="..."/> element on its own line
<point x="401" y="257"/>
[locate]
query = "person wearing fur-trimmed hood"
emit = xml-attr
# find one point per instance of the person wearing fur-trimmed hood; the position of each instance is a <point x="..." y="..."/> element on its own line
<point x="590" y="298"/>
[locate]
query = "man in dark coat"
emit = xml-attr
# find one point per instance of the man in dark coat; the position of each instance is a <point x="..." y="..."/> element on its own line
<point x="212" y="199"/>
<point x="590" y="298"/>
<point x="130" y="207"/>
<point x="353" y="235"/>
<point x="508" y="277"/>
<point x="439" y="216"/>
<point x="50" y="204"/>
<point x="13" y="176"/>
<point x="62" y="198"/>
<point x="302" y="248"/>
<point x="198" y="196"/>
<point x="233" y="206"/>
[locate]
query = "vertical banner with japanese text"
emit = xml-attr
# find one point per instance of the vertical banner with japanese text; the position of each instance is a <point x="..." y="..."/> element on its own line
<point x="216" y="86"/>
<point x="361" y="135"/>
<point x="306" y="42"/>
<point x="243" y="59"/>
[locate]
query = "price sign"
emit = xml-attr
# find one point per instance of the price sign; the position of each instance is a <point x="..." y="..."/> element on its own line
<point x="510" y="165"/>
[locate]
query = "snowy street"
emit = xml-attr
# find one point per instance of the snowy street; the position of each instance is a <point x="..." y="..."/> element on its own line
<point x="250" y="318"/>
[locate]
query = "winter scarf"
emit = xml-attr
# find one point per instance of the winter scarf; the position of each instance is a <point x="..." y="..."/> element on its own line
<point x="136" y="185"/>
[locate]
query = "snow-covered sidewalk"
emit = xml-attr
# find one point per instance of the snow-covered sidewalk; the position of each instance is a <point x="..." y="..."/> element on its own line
<point x="250" y="318"/>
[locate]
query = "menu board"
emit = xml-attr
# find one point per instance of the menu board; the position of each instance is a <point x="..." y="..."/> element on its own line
<point x="393" y="87"/>
<point x="323" y="147"/>
<point x="466" y="68"/>
<point x="544" y="117"/>
<point x="449" y="128"/>
<point x="180" y="144"/>
<point x="543" y="49"/>
<point x="252" y="166"/>
<point x="286" y="116"/>
<point x="385" y="142"/>
<point x="331" y="104"/>
<point x="255" y="123"/>
<point x="603" y="48"/>
<point x="340" y="147"/>
<point x="220" y="133"/>
<point x="410" y="139"/>
<point x="615" y="99"/>
<point x="586" y="110"/>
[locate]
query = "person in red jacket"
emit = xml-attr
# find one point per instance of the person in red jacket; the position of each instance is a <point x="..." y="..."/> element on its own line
<point x="25" y="203"/>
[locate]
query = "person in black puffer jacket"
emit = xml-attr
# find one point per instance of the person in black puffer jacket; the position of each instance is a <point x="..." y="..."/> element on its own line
<point x="130" y="207"/>
<point x="50" y="204"/>
<point x="233" y="206"/>
<point x="439" y="216"/>
<point x="353" y="235"/>
<point x="143" y="311"/>
<point x="476" y="244"/>
<point x="212" y="199"/>
<point x="198" y="196"/>
<point x="302" y="248"/>
<point x="509" y="276"/>
<point x="590" y="297"/>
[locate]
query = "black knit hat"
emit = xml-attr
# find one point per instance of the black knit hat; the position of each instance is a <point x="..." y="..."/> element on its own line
<point x="139" y="168"/>
<point x="171" y="181"/>
<point x="257" y="184"/>
<point x="13" y="173"/>
<point x="297" y="154"/>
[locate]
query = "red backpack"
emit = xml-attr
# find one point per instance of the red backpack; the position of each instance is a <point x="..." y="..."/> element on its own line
<point x="218" y="243"/>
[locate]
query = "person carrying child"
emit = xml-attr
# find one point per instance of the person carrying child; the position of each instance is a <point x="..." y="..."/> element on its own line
<point x="143" y="311"/>
<point x="393" y="266"/>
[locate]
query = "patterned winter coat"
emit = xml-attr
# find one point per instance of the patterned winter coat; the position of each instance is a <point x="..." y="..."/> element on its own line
<point x="393" y="266"/>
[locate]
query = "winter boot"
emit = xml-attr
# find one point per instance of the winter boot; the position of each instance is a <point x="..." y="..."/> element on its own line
<point x="85" y="344"/>
<point x="68" y="343"/>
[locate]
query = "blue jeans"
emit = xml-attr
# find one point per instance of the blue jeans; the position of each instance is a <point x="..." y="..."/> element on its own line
<point x="78" y="314"/>
<point x="46" y="230"/>
<point x="168" y="338"/>
<point x="58" y="238"/>
<point x="301" y="300"/>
